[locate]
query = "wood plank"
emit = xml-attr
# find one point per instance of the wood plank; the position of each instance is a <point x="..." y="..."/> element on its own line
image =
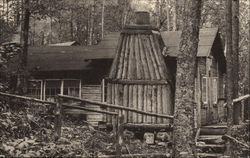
<point x="149" y="103"/>
<point x="164" y="102"/>
<point x="159" y="103"/>
<point x="109" y="96"/>
<point x="152" y="58"/>
<point x="140" y="102"/>
<point x="134" y="104"/>
<point x="143" y="58"/>
<point x="145" y="103"/>
<point x="121" y="59"/>
<point x="154" y="103"/>
<point x="113" y="69"/>
<point x="125" y="101"/>
<point x="130" y="116"/>
<point x="149" y="58"/>
<point x="126" y="60"/>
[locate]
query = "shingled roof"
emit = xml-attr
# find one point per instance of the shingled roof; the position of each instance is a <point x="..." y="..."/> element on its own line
<point x="58" y="58"/>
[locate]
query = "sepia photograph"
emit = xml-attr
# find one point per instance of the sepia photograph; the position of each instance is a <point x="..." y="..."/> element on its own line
<point x="125" y="78"/>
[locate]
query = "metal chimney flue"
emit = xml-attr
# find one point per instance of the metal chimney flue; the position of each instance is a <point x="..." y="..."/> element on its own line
<point x="142" y="18"/>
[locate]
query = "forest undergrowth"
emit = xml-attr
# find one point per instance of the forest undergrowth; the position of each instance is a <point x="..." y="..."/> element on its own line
<point x="27" y="130"/>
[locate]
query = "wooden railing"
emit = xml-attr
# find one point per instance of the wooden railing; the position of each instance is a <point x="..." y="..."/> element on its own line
<point x="237" y="102"/>
<point x="118" y="123"/>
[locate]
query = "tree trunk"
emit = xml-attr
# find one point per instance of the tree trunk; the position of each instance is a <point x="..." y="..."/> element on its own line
<point x="229" y="57"/>
<point x="91" y="26"/>
<point x="22" y="76"/>
<point x="174" y="16"/>
<point x="71" y="26"/>
<point x="184" y="132"/>
<point x="17" y="13"/>
<point x="168" y="15"/>
<point x="247" y="88"/>
<point x="235" y="51"/>
<point x="7" y="11"/>
<point x="179" y="14"/>
<point x="103" y="9"/>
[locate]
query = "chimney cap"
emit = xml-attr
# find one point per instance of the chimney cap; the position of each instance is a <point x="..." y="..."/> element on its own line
<point x="142" y="18"/>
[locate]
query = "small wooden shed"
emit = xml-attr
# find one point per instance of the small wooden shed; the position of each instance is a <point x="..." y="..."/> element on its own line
<point x="139" y="77"/>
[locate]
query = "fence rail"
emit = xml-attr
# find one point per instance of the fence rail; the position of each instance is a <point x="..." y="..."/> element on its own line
<point x="26" y="98"/>
<point x="107" y="105"/>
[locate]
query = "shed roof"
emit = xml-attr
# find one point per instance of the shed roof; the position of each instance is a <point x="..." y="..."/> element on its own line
<point x="206" y="40"/>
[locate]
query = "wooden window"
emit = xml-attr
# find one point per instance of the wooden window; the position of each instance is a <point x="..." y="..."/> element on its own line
<point x="35" y="89"/>
<point x="52" y="89"/>
<point x="196" y="90"/>
<point x="71" y="88"/>
<point x="215" y="89"/>
<point x="205" y="90"/>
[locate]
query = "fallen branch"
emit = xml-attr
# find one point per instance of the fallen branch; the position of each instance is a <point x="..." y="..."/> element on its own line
<point x="227" y="137"/>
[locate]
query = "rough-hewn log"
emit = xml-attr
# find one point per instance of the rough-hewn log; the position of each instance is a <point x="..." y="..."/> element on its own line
<point x="137" y="82"/>
<point x="131" y="63"/>
<point x="26" y="98"/>
<point x="149" y="127"/>
<point x="126" y="59"/>
<point x="153" y="57"/>
<point x="109" y="95"/>
<point x="149" y="103"/>
<point x="138" y="62"/>
<point x="121" y="58"/>
<point x="154" y="103"/>
<point x="130" y="99"/>
<point x="159" y="103"/>
<point x="143" y="58"/>
<point x="113" y="69"/>
<point x="148" y="56"/>
<point x="140" y="102"/>
<point x="90" y="110"/>
<point x="105" y="105"/>
<point x="58" y="118"/>
<point x="125" y="101"/>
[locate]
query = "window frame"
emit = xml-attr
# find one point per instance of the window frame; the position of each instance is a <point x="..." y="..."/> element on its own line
<point x="205" y="101"/>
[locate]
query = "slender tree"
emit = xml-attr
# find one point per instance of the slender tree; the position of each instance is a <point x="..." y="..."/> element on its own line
<point x="184" y="132"/>
<point x="235" y="53"/>
<point x="229" y="57"/>
<point x="103" y="12"/>
<point x="22" y="76"/>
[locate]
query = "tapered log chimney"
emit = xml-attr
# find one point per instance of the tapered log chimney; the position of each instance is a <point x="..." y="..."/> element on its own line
<point x="139" y="77"/>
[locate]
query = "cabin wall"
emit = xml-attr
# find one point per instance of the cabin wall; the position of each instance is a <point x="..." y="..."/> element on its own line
<point x="201" y="106"/>
<point x="94" y="93"/>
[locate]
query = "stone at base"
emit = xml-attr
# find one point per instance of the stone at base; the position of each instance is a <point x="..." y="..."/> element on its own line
<point x="149" y="138"/>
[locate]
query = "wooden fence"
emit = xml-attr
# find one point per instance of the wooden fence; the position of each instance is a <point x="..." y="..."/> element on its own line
<point x="118" y="121"/>
<point x="242" y="111"/>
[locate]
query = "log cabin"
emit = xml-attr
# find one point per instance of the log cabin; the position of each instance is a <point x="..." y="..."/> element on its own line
<point x="87" y="72"/>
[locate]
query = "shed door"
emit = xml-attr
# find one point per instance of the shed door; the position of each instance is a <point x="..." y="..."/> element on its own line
<point x="209" y="98"/>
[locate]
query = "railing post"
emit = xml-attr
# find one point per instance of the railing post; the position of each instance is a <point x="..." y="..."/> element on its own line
<point x="119" y="137"/>
<point x="58" y="118"/>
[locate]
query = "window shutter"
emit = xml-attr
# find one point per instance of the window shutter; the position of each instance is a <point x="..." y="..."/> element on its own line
<point x="204" y="90"/>
<point x="215" y="89"/>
